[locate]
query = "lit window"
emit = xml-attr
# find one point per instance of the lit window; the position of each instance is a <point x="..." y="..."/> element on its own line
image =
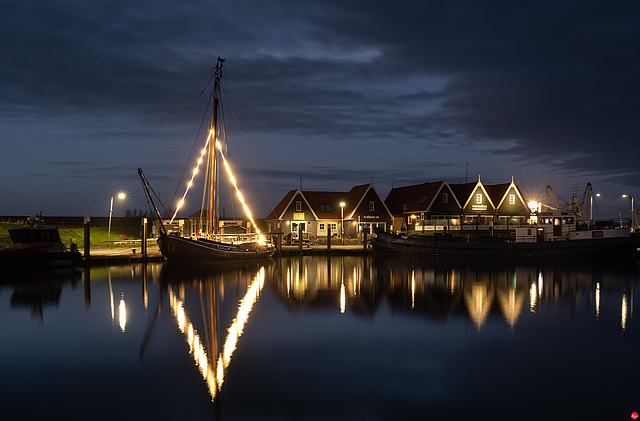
<point x="479" y="198"/>
<point x="371" y="206"/>
<point x="298" y="206"/>
<point x="334" y="226"/>
<point x="512" y="199"/>
<point x="445" y="197"/>
<point x="321" y="226"/>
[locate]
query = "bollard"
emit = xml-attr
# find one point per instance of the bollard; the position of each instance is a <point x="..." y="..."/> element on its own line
<point x="87" y="240"/>
<point x="144" y="239"/>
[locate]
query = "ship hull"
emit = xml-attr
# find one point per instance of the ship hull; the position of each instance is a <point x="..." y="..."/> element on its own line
<point x="619" y="248"/>
<point x="180" y="249"/>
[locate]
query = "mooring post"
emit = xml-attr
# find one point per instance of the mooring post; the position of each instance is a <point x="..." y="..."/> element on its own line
<point x="87" y="240"/>
<point x="365" y="231"/>
<point x="144" y="239"/>
<point x="328" y="236"/>
<point x="279" y="242"/>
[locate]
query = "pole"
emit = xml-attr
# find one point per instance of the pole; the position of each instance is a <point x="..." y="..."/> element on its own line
<point x="144" y="239"/>
<point x="87" y="240"/>
<point x="109" y="229"/>
<point x="342" y="223"/>
<point x="633" y="217"/>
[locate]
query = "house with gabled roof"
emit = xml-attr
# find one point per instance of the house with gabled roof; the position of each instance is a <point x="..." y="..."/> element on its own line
<point x="318" y="214"/>
<point x="412" y="205"/>
<point x="440" y="206"/>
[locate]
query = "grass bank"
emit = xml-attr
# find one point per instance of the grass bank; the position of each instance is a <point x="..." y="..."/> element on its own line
<point x="98" y="235"/>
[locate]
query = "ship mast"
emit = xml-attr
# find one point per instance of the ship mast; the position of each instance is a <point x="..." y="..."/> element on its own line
<point x="212" y="210"/>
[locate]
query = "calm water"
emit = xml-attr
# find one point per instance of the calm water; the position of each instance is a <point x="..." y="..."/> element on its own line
<point x="321" y="338"/>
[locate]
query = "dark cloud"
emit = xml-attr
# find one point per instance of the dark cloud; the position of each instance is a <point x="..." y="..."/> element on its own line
<point x="401" y="92"/>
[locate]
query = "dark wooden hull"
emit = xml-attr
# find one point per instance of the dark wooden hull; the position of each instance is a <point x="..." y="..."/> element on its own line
<point x="179" y="249"/>
<point x="621" y="248"/>
<point x="15" y="258"/>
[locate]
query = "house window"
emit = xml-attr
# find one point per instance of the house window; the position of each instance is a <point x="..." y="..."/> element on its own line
<point x="445" y="197"/>
<point x="512" y="199"/>
<point x="334" y="226"/>
<point x="422" y="216"/>
<point x="422" y="199"/>
<point x="479" y="198"/>
<point x="321" y="226"/>
<point x="371" y="206"/>
<point x="298" y="206"/>
<point x="325" y="207"/>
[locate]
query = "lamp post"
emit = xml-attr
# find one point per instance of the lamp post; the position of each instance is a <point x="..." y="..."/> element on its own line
<point x="342" y="204"/>
<point x="591" y="205"/>
<point x="119" y="196"/>
<point x="632" y="210"/>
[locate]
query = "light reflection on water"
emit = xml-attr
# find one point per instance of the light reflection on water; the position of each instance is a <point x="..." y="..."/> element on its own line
<point x="316" y="337"/>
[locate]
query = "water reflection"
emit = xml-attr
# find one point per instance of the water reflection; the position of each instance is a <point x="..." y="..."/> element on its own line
<point x="400" y="337"/>
<point x="37" y="290"/>
<point x="211" y="282"/>
<point x="442" y="290"/>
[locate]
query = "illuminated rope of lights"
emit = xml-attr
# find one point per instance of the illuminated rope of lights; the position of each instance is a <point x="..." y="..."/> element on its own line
<point x="233" y="181"/>
<point x="193" y="175"/>
<point x="214" y="376"/>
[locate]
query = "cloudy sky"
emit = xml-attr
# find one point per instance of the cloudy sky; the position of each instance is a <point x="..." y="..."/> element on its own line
<point x="330" y="94"/>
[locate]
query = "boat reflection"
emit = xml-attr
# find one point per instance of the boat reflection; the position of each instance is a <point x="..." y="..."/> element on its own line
<point x="212" y="283"/>
<point x="36" y="290"/>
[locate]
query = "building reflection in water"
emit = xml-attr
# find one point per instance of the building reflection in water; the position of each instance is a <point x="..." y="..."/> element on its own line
<point x="437" y="289"/>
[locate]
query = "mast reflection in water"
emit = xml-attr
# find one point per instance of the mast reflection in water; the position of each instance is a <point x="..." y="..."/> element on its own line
<point x="321" y="338"/>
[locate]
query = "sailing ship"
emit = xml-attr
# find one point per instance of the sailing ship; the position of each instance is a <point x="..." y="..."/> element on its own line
<point x="209" y="245"/>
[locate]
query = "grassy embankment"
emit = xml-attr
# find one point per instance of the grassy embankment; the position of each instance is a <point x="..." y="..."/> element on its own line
<point x="98" y="235"/>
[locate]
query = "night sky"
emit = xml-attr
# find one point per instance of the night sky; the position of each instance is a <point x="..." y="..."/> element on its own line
<point x="330" y="94"/>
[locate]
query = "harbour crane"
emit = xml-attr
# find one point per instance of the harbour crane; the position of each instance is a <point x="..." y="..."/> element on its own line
<point x="574" y="206"/>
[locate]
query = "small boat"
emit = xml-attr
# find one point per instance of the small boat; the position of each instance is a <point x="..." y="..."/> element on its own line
<point x="38" y="246"/>
<point x="209" y="245"/>
<point x="556" y="237"/>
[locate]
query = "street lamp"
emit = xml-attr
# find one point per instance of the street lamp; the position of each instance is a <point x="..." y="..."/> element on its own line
<point x="119" y="196"/>
<point x="342" y="204"/>
<point x="632" y="209"/>
<point x="591" y="204"/>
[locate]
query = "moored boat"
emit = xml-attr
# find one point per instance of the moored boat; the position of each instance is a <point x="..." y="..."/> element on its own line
<point x="38" y="246"/>
<point x="560" y="238"/>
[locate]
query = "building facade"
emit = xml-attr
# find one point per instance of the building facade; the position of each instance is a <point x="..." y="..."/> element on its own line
<point x="440" y="206"/>
<point x="318" y="215"/>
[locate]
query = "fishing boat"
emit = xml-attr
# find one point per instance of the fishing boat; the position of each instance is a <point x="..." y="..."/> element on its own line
<point x="209" y="245"/>
<point x="559" y="236"/>
<point x="37" y="246"/>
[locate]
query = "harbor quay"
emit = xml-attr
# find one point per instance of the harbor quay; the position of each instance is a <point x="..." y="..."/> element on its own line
<point x="133" y="254"/>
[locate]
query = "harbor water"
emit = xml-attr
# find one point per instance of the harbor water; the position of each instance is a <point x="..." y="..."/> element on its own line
<point x="321" y="338"/>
